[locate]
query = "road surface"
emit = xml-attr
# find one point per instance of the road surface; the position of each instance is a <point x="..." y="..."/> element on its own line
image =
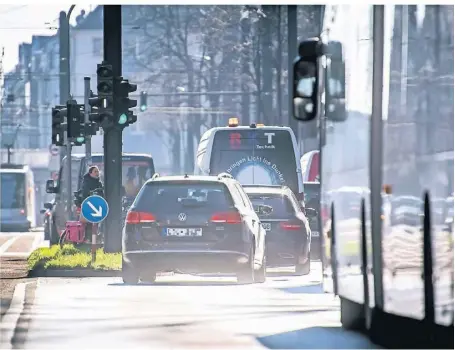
<point x="15" y="247"/>
<point x="181" y="311"/>
<point x="20" y="244"/>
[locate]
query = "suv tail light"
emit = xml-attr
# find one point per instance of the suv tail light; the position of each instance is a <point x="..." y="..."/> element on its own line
<point x="228" y="217"/>
<point x="290" y="226"/>
<point x="138" y="217"/>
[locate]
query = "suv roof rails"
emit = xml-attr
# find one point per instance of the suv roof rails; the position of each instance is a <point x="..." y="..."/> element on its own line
<point x="156" y="175"/>
<point x="225" y="176"/>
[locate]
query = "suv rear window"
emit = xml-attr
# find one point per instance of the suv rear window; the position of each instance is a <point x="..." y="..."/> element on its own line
<point x="165" y="197"/>
<point x="281" y="205"/>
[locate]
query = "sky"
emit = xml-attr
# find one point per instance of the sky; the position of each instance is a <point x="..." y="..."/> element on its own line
<point x="18" y="23"/>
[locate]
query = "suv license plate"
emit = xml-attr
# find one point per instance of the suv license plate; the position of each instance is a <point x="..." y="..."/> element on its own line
<point x="184" y="232"/>
<point x="267" y="226"/>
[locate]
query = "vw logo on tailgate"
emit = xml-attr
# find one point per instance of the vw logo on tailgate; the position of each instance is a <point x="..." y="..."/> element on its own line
<point x="182" y="216"/>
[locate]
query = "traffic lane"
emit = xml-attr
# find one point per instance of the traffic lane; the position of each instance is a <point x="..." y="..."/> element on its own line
<point x="186" y="311"/>
<point x="12" y="272"/>
<point x="20" y="244"/>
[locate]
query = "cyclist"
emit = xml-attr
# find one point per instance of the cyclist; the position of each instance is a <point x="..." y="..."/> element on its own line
<point x="90" y="183"/>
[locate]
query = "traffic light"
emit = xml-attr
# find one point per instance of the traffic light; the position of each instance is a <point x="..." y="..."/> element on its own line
<point x="124" y="116"/>
<point x="58" y="126"/>
<point x="105" y="88"/>
<point x="143" y="101"/>
<point x="75" y="120"/>
<point x="94" y="115"/>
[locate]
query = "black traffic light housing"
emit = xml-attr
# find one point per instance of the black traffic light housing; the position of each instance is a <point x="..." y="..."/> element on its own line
<point x="307" y="72"/>
<point x="143" y="101"/>
<point x="105" y="89"/>
<point x="58" y="125"/>
<point x="123" y="103"/>
<point x="335" y="103"/>
<point x="75" y="120"/>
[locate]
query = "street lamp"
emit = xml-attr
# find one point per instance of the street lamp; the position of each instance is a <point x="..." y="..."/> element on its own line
<point x="10" y="140"/>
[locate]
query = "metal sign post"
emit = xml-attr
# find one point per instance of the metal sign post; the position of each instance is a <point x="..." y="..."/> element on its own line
<point x="93" y="248"/>
<point x="94" y="209"/>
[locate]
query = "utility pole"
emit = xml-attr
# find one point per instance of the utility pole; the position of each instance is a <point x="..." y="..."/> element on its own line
<point x="88" y="136"/>
<point x="112" y="32"/>
<point x="64" y="82"/>
<point x="65" y="88"/>
<point x="292" y="54"/>
<point x="245" y="24"/>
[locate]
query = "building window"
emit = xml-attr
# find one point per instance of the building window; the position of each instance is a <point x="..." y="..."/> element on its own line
<point x="97" y="46"/>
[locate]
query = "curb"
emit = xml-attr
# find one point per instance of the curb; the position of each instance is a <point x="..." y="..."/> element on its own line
<point x="81" y="272"/>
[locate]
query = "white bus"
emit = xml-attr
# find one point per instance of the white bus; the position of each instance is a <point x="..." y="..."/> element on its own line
<point x="17" y="189"/>
<point x="255" y="154"/>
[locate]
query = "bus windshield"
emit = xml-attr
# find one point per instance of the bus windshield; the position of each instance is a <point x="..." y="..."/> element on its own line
<point x="12" y="190"/>
<point x="255" y="156"/>
<point x="134" y="174"/>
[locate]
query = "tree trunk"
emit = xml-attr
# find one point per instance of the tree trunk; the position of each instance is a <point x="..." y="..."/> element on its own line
<point x="279" y="66"/>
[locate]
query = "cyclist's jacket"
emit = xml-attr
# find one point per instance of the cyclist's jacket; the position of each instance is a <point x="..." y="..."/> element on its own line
<point x="90" y="184"/>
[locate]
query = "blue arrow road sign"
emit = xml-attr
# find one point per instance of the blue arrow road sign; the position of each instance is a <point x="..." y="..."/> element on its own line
<point x="94" y="209"/>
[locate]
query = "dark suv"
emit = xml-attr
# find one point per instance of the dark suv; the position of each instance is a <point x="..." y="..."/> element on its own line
<point x="288" y="230"/>
<point x="196" y="224"/>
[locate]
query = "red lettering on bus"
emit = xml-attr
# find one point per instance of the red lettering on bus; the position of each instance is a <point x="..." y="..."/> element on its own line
<point x="234" y="140"/>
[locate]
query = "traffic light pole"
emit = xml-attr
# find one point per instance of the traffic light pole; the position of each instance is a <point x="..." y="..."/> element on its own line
<point x="69" y="181"/>
<point x="88" y="136"/>
<point x="112" y="32"/>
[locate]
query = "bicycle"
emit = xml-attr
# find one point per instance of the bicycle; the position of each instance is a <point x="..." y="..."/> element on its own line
<point x="75" y="230"/>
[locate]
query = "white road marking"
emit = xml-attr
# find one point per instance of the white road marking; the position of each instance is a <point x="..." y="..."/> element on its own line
<point x="8" y="244"/>
<point x="11" y="317"/>
<point x="37" y="242"/>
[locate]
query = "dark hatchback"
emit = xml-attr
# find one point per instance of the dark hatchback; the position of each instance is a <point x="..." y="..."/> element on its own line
<point x="288" y="240"/>
<point x="195" y="224"/>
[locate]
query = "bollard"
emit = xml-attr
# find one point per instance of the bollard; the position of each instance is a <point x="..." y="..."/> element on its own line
<point x="333" y="252"/>
<point x="428" y="263"/>
<point x="364" y="266"/>
<point x="94" y="234"/>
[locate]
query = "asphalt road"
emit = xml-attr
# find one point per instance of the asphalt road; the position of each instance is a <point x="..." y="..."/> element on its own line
<point x="15" y="247"/>
<point x="183" y="311"/>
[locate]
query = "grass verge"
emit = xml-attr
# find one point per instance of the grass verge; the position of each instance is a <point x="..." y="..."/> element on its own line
<point x="70" y="257"/>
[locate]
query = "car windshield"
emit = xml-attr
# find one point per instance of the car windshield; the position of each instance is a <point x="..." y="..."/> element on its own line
<point x="280" y="204"/>
<point x="134" y="175"/>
